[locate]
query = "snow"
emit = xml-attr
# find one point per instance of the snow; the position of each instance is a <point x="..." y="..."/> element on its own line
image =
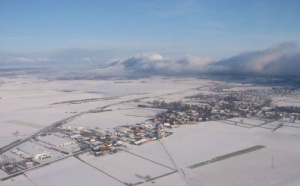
<point x="110" y="119"/>
<point x="198" y="143"/>
<point x="288" y="131"/>
<point x="70" y="171"/>
<point x="192" y="144"/>
<point x="2" y="173"/>
<point x="35" y="147"/>
<point x="16" y="181"/>
<point x="296" y="125"/>
<point x="127" y="167"/>
<point x="286" y="101"/>
<point x="248" y="121"/>
<point x="173" y="179"/>
<point x="254" y="168"/>
<point x="153" y="151"/>
<point x="27" y="104"/>
<point x="5" y="140"/>
<point x="272" y="125"/>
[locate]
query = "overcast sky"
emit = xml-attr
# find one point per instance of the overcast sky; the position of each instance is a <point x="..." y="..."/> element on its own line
<point x="78" y="31"/>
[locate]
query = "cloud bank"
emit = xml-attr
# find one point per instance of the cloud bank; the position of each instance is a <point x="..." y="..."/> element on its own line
<point x="278" y="60"/>
<point x="156" y="64"/>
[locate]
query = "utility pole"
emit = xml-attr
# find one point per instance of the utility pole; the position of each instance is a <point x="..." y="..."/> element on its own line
<point x="272" y="166"/>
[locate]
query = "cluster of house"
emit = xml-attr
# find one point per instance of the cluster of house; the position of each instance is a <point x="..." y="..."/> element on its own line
<point x="109" y="141"/>
<point x="38" y="150"/>
<point x="97" y="141"/>
<point x="29" y="156"/>
<point x="175" y="118"/>
<point x="142" y="133"/>
<point x="27" y="153"/>
<point x="282" y="114"/>
<point x="225" y="104"/>
<point x="221" y="104"/>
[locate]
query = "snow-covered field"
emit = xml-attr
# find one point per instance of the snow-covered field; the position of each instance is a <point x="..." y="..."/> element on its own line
<point x="17" y="181"/>
<point x="29" y="104"/>
<point x="153" y="151"/>
<point x="173" y="179"/>
<point x="267" y="166"/>
<point x="246" y="121"/>
<point x="70" y="171"/>
<point x="286" y="101"/>
<point x="272" y="125"/>
<point x="38" y="148"/>
<point x="127" y="167"/>
<point x="3" y="174"/>
<point x="190" y="145"/>
<point x="114" y="118"/>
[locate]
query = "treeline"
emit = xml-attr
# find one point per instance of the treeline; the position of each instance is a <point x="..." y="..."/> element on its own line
<point x="289" y="109"/>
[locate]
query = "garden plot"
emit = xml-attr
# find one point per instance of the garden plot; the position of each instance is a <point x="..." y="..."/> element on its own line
<point x="272" y="125"/>
<point x="127" y="167"/>
<point x="245" y="125"/>
<point x="230" y="122"/>
<point x="292" y="132"/>
<point x="247" y="121"/>
<point x="286" y="101"/>
<point x="296" y="125"/>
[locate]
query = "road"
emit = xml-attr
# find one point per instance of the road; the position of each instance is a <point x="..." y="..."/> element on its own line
<point x="45" y="129"/>
<point x="41" y="165"/>
<point x="59" y="123"/>
<point x="66" y="120"/>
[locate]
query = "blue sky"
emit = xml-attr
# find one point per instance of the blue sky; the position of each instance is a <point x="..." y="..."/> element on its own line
<point x="107" y="29"/>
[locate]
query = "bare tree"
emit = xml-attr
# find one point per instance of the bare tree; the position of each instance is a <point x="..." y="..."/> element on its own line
<point x="16" y="133"/>
<point x="147" y="178"/>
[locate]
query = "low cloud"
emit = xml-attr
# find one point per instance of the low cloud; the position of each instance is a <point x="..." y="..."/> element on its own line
<point x="28" y="60"/>
<point x="73" y="56"/>
<point x="278" y="60"/>
<point x="156" y="64"/>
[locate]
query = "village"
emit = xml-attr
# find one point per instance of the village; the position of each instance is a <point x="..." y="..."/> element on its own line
<point x="64" y="141"/>
<point x="222" y="104"/>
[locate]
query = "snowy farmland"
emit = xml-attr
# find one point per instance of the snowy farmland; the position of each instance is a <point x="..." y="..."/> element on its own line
<point x="114" y="118"/>
<point x="16" y="181"/>
<point x="267" y="166"/>
<point x="70" y="171"/>
<point x="286" y="101"/>
<point x="128" y="167"/>
<point x="28" y="105"/>
<point x="253" y="122"/>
